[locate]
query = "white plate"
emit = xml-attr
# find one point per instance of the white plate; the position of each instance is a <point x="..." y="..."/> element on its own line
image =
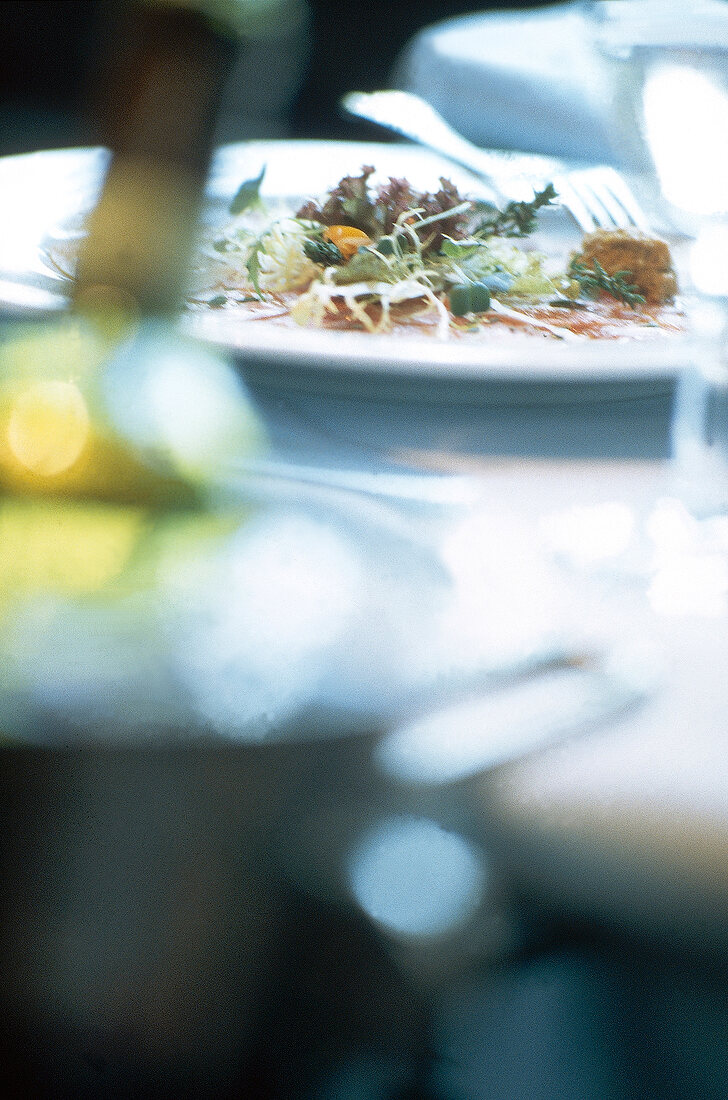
<point x="45" y="194"/>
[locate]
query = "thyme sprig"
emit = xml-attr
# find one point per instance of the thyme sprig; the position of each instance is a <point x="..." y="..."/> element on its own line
<point x="516" y="219"/>
<point x="595" y="280"/>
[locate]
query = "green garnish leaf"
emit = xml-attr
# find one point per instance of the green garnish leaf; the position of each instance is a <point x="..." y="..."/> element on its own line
<point x="253" y="264"/>
<point x="363" y="267"/>
<point x="247" y="195"/>
<point x="217" y="301"/>
<point x="517" y="219"/>
<point x="352" y="207"/>
<point x="595" y="280"/>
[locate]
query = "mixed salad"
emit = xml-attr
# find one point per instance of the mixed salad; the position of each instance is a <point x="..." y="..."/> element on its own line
<point x="366" y="256"/>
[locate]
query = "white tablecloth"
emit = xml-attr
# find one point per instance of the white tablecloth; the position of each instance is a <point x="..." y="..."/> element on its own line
<point x="628" y="824"/>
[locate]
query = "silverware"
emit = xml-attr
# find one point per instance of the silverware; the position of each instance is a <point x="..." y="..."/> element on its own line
<point x="596" y="197"/>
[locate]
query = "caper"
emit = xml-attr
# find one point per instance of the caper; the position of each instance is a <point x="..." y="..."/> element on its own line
<point x="469" y="298"/>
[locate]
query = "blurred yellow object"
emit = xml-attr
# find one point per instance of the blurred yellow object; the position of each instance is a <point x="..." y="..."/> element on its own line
<point x="75" y="549"/>
<point x="113" y="312"/>
<point x="69" y="548"/>
<point x="48" y="427"/>
<point x="66" y="350"/>
<point x="139" y="238"/>
<point x="105" y="470"/>
<point x="110" y="439"/>
<point x="97" y="468"/>
<point x="86" y="415"/>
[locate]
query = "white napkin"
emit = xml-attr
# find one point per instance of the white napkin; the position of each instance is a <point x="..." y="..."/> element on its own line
<point x="528" y="80"/>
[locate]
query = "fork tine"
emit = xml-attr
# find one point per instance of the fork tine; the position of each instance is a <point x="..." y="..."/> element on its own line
<point x="622" y="193"/>
<point x="598" y="198"/>
<point x="574" y="203"/>
<point x="606" y="212"/>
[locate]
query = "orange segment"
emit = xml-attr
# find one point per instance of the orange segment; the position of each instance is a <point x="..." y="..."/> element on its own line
<point x="347" y="239"/>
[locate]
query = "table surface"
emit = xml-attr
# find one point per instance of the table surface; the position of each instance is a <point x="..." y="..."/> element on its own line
<point x="628" y="823"/>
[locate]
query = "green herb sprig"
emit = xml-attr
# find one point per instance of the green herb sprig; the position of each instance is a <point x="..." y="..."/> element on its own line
<point x="516" y="219"/>
<point x="595" y="280"/>
<point x="253" y="263"/>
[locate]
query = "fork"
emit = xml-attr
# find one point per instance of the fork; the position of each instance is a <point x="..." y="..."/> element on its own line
<point x="599" y="198"/>
<point x="596" y="197"/>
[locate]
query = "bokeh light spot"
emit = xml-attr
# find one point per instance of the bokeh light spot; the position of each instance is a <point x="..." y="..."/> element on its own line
<point x="415" y="878"/>
<point x="48" y="427"/>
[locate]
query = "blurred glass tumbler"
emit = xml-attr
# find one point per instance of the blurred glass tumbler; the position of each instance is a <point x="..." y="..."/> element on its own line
<point x="203" y="862"/>
<point x="668" y="66"/>
<point x="667" y="77"/>
<point x="700" y="416"/>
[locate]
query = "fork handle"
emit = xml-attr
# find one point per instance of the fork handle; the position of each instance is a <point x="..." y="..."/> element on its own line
<point x="414" y="118"/>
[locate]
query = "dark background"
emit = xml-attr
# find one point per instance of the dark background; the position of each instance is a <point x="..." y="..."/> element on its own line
<point x="50" y="50"/>
<point x="354" y="45"/>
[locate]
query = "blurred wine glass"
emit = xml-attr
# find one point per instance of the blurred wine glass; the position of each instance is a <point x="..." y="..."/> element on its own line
<point x="667" y="68"/>
<point x="665" y="71"/>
